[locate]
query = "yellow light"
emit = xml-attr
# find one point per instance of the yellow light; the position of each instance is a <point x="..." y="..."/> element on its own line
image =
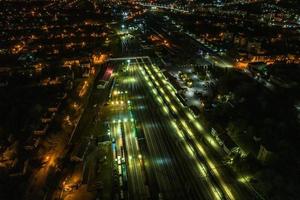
<point x="47" y="158"/>
<point x="154" y="91"/>
<point x="174" y="124"/>
<point x="202" y="169"/>
<point x="244" y="179"/>
<point x="159" y="99"/>
<point x="198" y="126"/>
<point x="165" y="109"/>
<point x="188" y="130"/>
<point x="190" y="116"/>
<point x="216" y="192"/>
<point x="167" y="98"/>
<point x="161" y="90"/>
<point x="212" y="141"/>
<point x="174" y="109"/>
<point x="189" y="149"/>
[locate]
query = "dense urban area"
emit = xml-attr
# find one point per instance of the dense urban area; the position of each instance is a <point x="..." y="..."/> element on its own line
<point x="150" y="99"/>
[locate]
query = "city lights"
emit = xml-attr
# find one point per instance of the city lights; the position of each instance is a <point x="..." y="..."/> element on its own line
<point x="149" y="100"/>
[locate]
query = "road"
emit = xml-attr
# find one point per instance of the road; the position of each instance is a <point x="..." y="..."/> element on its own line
<point x="193" y="129"/>
<point x="194" y="178"/>
<point x="127" y="151"/>
<point x="172" y="169"/>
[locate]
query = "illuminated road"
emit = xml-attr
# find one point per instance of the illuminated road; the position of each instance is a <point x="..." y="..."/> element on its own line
<point x="169" y="162"/>
<point x="127" y="149"/>
<point x="173" y="164"/>
<point x="193" y="185"/>
<point x="193" y="129"/>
